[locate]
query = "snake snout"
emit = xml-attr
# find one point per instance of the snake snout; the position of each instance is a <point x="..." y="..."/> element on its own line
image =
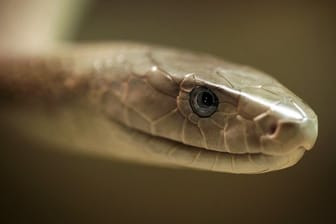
<point x="308" y="133"/>
<point x="288" y="128"/>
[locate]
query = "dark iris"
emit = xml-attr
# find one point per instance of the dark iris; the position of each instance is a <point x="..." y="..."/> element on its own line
<point x="203" y="101"/>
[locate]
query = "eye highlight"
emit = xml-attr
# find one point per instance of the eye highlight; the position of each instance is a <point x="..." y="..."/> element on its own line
<point x="203" y="101"/>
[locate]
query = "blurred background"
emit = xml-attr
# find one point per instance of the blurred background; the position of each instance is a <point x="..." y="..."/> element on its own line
<point x="292" y="40"/>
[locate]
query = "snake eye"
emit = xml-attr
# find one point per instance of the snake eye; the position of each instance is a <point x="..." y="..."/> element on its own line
<point x="203" y="101"/>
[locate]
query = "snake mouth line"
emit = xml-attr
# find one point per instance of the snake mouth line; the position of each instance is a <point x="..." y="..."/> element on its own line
<point x="247" y="163"/>
<point x="178" y="154"/>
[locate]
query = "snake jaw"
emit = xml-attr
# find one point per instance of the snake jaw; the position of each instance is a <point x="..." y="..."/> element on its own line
<point x="248" y="163"/>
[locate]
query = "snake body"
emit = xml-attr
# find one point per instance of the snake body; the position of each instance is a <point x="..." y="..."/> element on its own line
<point x="144" y="92"/>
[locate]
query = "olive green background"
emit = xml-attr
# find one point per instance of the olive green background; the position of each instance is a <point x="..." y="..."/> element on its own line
<point x="293" y="41"/>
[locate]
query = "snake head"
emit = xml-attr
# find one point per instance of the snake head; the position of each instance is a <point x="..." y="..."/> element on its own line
<point x="250" y="115"/>
<point x="220" y="116"/>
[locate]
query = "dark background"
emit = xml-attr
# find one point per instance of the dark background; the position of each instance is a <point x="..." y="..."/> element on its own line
<point x="293" y="41"/>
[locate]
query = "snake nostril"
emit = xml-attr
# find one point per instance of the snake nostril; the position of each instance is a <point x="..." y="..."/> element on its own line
<point x="272" y="129"/>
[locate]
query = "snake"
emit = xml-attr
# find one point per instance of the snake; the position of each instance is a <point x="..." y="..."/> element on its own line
<point x="157" y="105"/>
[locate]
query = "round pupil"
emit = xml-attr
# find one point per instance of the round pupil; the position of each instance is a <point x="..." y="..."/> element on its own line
<point x="207" y="99"/>
<point x="203" y="101"/>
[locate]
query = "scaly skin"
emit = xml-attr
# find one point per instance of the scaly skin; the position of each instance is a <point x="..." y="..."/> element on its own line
<point x="259" y="125"/>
